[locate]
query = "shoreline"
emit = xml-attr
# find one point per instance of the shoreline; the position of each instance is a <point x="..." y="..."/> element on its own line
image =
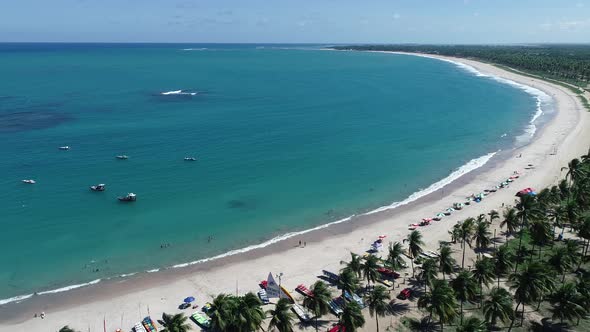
<point x="112" y="298"/>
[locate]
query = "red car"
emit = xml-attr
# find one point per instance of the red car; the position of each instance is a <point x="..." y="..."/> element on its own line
<point x="405" y="294"/>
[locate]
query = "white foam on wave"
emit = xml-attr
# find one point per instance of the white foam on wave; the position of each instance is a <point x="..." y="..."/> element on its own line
<point x="67" y="288"/>
<point x="195" y="49"/>
<point x="152" y="271"/>
<point x="178" y="92"/>
<point x="15" y="299"/>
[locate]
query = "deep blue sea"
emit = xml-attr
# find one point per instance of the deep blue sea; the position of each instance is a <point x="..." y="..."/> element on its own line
<point x="286" y="138"/>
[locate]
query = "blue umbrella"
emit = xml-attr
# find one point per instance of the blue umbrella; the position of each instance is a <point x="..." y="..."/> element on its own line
<point x="189" y="299"/>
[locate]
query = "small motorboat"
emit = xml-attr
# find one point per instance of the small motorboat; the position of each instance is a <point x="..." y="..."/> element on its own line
<point x="98" y="187"/>
<point x="29" y="181"/>
<point x="190" y="159"/>
<point x="122" y="157"/>
<point x="131" y="197"/>
<point x="64" y="147"/>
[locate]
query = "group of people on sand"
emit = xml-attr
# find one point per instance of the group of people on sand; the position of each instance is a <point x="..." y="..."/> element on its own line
<point x="42" y="315"/>
<point x="304" y="244"/>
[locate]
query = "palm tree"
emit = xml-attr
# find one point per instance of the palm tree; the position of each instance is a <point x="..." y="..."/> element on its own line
<point x="584" y="233"/>
<point x="482" y="235"/>
<point x="318" y="303"/>
<point x="527" y="211"/>
<point x="440" y="302"/>
<point x="466" y="232"/>
<point x="472" y="324"/>
<point x="66" y="329"/>
<point x="503" y="259"/>
<point x="446" y="262"/>
<point x="510" y="221"/>
<point x="575" y="172"/>
<point x="567" y="303"/>
<point x="222" y="312"/>
<point x="394" y="256"/>
<point x="281" y="317"/>
<point x="175" y="323"/>
<point x="540" y="231"/>
<point x="564" y="189"/>
<point x="355" y="264"/>
<point x="348" y="281"/>
<point x="414" y="246"/>
<point x="249" y="312"/>
<point x="369" y="268"/>
<point x="529" y="285"/>
<point x="378" y="303"/>
<point x="352" y="318"/>
<point x="428" y="272"/>
<point x="561" y="261"/>
<point x="558" y="215"/>
<point x="498" y="305"/>
<point x="483" y="272"/>
<point x="465" y="288"/>
<point x="455" y="233"/>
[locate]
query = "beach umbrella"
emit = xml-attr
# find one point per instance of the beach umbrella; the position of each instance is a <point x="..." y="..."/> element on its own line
<point x="440" y="215"/>
<point x="382" y="236"/>
<point x="189" y="299"/>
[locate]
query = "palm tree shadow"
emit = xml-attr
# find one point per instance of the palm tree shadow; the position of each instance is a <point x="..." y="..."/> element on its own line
<point x="546" y="325"/>
<point x="322" y="324"/>
<point x="397" y="308"/>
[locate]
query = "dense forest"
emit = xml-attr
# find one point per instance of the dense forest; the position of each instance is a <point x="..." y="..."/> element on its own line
<point x="568" y="63"/>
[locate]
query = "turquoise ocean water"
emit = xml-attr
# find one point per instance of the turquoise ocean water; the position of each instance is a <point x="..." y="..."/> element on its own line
<point x="286" y="139"/>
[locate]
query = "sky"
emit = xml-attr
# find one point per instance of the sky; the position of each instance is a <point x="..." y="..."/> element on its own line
<point x="296" y="21"/>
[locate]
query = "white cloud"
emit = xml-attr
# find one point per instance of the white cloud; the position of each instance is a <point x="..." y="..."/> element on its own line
<point x="567" y="25"/>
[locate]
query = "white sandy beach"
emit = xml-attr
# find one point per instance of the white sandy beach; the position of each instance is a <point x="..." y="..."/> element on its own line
<point x="124" y="303"/>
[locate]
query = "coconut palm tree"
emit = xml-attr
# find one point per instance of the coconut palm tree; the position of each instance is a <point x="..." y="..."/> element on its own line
<point x="394" y="256"/>
<point x="175" y="323"/>
<point x="348" y="281"/>
<point x="222" y="312"/>
<point x="564" y="189"/>
<point x="355" y="264"/>
<point x="482" y="235"/>
<point x="352" y="318"/>
<point x="498" y="305"/>
<point x="483" y="273"/>
<point x="378" y="303"/>
<point x="465" y="288"/>
<point x="446" y="262"/>
<point x="281" y="317"/>
<point x="584" y="233"/>
<point x="527" y="211"/>
<point x="540" y="232"/>
<point x="414" y="246"/>
<point x="575" y="172"/>
<point x="428" y="272"/>
<point x="249" y="312"/>
<point x="472" y="324"/>
<point x="318" y="303"/>
<point x="529" y="285"/>
<point x="503" y="261"/>
<point x="440" y="302"/>
<point x="455" y="233"/>
<point x="510" y="221"/>
<point x="466" y="233"/>
<point x="66" y="329"/>
<point x="561" y="261"/>
<point x="568" y="303"/>
<point x="369" y="268"/>
<point x="558" y="215"/>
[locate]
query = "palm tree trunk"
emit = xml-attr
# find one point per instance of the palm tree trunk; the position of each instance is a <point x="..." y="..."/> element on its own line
<point x="412" y="261"/>
<point x="461" y="312"/>
<point x="463" y="259"/>
<point x="441" y="326"/>
<point x="377" y="321"/>
<point x="522" y="316"/>
<point x="514" y="318"/>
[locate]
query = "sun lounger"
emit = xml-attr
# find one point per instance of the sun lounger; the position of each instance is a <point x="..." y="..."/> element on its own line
<point x="263" y="296"/>
<point x="331" y="276"/>
<point x="301" y="312"/>
<point x="353" y="297"/>
<point x="149" y="324"/>
<point x="336" y="309"/>
<point x="337" y="328"/>
<point x="139" y="328"/>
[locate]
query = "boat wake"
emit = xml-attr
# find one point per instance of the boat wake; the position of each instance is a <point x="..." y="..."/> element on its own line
<point x="468" y="167"/>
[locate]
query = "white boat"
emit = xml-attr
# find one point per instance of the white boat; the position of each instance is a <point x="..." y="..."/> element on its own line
<point x="190" y="158"/>
<point x="64" y="147"/>
<point x="122" y="157"/>
<point x="29" y="181"/>
<point x="131" y="197"/>
<point x="98" y="187"/>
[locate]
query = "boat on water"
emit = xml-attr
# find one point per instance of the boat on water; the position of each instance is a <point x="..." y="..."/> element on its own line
<point x="190" y="159"/>
<point x="29" y="181"/>
<point x="64" y="147"/>
<point x="131" y="197"/>
<point x="123" y="157"/>
<point x="98" y="187"/>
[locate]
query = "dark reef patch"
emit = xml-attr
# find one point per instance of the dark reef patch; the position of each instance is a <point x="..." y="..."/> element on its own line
<point x="11" y="122"/>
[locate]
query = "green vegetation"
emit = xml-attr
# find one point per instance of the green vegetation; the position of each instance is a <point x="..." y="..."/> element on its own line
<point x="175" y="323"/>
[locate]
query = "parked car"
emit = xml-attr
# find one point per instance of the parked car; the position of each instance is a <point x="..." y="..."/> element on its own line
<point x="405" y="294"/>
